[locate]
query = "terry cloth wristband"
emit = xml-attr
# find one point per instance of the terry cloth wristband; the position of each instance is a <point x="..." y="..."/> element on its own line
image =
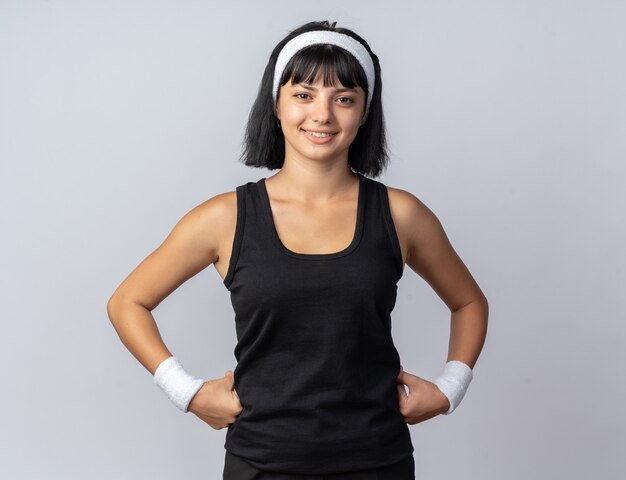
<point x="453" y="382"/>
<point x="179" y="386"/>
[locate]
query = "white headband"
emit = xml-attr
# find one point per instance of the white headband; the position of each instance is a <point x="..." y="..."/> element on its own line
<point x="316" y="37"/>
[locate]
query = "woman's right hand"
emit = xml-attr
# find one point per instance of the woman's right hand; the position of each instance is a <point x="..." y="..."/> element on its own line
<point x="217" y="402"/>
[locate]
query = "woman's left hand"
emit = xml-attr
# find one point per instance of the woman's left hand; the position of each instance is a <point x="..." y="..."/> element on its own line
<point x="423" y="401"/>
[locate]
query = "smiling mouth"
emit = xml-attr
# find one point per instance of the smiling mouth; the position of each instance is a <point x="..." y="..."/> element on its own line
<point x="320" y="134"/>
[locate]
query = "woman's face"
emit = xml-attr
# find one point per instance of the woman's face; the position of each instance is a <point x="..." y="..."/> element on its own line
<point x="318" y="122"/>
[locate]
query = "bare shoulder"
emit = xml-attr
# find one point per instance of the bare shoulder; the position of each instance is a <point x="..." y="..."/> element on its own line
<point x="218" y="216"/>
<point x="406" y="205"/>
<point x="429" y="251"/>
<point x="415" y="222"/>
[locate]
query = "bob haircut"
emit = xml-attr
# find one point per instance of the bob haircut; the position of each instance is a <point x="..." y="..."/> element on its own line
<point x="264" y="142"/>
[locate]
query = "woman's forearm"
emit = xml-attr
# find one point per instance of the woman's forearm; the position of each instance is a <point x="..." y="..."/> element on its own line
<point x="468" y="330"/>
<point x="138" y="331"/>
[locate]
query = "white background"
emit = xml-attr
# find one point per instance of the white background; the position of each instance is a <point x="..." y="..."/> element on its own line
<point x="507" y="118"/>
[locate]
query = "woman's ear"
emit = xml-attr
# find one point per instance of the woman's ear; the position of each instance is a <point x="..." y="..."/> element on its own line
<point x="277" y="115"/>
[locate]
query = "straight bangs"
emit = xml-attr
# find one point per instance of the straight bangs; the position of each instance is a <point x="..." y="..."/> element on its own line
<point x="334" y="62"/>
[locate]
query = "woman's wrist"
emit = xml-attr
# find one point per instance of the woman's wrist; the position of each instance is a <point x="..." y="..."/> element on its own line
<point x="174" y="380"/>
<point x="453" y="382"/>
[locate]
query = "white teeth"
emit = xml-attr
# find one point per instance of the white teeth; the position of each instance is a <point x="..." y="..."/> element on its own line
<point x="320" y="135"/>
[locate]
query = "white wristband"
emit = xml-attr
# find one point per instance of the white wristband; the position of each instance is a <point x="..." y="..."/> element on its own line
<point x="453" y="382"/>
<point x="179" y="386"/>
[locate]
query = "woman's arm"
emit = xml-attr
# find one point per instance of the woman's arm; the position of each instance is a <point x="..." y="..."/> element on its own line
<point x="138" y="331"/>
<point x="429" y="254"/>
<point x="468" y="330"/>
<point x="191" y="246"/>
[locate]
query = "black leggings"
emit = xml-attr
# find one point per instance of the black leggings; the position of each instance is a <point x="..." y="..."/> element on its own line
<point x="236" y="468"/>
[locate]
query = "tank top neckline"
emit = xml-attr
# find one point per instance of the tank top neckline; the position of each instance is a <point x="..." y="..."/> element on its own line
<point x="356" y="238"/>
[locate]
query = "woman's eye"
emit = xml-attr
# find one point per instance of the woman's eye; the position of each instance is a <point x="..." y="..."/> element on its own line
<point x="345" y="100"/>
<point x="302" y="96"/>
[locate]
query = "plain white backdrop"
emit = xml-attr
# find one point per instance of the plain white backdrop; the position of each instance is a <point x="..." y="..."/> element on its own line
<point x="507" y="118"/>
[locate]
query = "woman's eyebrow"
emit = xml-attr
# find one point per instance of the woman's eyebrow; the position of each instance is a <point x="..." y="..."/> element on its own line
<point x="311" y="87"/>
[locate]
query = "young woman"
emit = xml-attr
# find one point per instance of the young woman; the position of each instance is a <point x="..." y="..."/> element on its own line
<point x="311" y="257"/>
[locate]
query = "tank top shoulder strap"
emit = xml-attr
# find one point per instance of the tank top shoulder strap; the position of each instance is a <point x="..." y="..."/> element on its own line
<point x="379" y="222"/>
<point x="251" y="232"/>
<point x="239" y="229"/>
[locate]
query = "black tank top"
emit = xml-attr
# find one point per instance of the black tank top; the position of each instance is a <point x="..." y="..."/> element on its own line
<point x="316" y="360"/>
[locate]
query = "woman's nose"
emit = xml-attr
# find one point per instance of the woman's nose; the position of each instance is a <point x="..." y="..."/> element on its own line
<point x="322" y="110"/>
